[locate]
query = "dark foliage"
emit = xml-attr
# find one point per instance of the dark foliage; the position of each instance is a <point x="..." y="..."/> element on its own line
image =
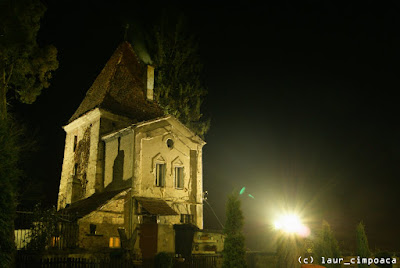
<point x="163" y="260"/>
<point x="326" y="245"/>
<point x="289" y="248"/>
<point x="362" y="243"/>
<point x="384" y="255"/>
<point x="234" y="252"/>
<point x="9" y="175"/>
<point x="173" y="50"/>
<point x="25" y="67"/>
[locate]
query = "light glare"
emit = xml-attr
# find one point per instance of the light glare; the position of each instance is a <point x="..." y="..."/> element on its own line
<point x="291" y="223"/>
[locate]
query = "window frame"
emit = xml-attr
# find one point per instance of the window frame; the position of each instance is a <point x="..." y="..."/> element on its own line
<point x="176" y="178"/>
<point x="162" y="182"/>
<point x="187" y="218"/>
<point x="114" y="242"/>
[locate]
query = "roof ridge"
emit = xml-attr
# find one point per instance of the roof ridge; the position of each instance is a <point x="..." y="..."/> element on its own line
<point x="107" y="86"/>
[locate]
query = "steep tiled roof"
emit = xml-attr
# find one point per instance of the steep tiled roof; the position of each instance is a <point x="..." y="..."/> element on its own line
<point x="120" y="88"/>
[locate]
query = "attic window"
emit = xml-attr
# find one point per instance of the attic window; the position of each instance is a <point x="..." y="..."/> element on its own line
<point x="170" y="143"/>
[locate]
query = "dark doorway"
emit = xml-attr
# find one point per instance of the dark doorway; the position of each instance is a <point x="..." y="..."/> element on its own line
<point x="148" y="237"/>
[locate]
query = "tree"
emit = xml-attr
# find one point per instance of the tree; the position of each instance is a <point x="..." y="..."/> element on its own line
<point x="326" y="245"/>
<point x="362" y="243"/>
<point x="25" y="67"/>
<point x="234" y="252"/>
<point x="9" y="174"/>
<point x="174" y="52"/>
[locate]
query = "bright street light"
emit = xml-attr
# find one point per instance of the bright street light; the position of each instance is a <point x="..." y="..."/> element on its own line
<point x="291" y="223"/>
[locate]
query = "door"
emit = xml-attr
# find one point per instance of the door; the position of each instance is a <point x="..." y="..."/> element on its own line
<point x="148" y="239"/>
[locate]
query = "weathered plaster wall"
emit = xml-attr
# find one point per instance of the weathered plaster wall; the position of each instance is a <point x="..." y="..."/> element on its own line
<point x="107" y="219"/>
<point x="86" y="129"/>
<point x="81" y="160"/>
<point x="151" y="148"/>
<point x="127" y="158"/>
<point x="89" y="154"/>
<point x="108" y="123"/>
<point x="166" y="238"/>
<point x="144" y="146"/>
<point x="119" y="163"/>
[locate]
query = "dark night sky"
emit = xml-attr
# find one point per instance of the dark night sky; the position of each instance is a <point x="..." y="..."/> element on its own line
<point x="302" y="98"/>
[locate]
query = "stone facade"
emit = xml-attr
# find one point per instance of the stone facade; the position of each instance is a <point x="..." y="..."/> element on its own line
<point x="128" y="176"/>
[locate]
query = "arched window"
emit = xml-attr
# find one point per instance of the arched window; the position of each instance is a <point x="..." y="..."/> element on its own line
<point x="179" y="178"/>
<point x="160" y="168"/>
<point x="160" y="174"/>
<point x="179" y="175"/>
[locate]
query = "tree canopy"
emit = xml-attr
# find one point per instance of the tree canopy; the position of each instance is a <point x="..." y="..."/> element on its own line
<point x="25" y="67"/>
<point x="174" y="52"/>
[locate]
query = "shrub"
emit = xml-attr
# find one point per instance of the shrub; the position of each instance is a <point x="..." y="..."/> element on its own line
<point x="163" y="260"/>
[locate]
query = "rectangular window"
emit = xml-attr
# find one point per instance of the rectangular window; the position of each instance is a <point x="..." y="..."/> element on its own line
<point x="75" y="142"/>
<point x="75" y="171"/>
<point x="160" y="174"/>
<point x="179" y="177"/>
<point x="92" y="229"/>
<point x="186" y="218"/>
<point x="55" y="241"/>
<point x="115" y="242"/>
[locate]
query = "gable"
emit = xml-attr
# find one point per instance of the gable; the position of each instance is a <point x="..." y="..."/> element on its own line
<point x="168" y="125"/>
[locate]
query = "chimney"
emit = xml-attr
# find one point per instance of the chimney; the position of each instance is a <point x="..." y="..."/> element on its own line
<point x="150" y="82"/>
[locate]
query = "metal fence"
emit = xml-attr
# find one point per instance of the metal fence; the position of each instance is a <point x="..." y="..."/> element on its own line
<point x="198" y="261"/>
<point x="45" y="230"/>
<point x="26" y="260"/>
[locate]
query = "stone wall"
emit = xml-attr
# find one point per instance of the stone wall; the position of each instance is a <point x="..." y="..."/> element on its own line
<point x="83" y="163"/>
<point x="107" y="220"/>
<point x="80" y="157"/>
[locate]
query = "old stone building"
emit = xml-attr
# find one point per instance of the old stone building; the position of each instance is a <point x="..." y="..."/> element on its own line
<point x="130" y="173"/>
